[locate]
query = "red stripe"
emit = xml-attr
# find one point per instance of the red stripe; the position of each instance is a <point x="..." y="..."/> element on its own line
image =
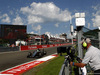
<point x="22" y="68"/>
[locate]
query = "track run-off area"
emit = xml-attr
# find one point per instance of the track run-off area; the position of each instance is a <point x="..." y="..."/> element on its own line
<point x="9" y="60"/>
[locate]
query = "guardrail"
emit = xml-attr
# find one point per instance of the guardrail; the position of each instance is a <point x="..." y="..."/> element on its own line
<point x="7" y="49"/>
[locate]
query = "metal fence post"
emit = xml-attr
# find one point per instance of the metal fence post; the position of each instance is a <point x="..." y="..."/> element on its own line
<point x="79" y="36"/>
<point x="99" y="38"/>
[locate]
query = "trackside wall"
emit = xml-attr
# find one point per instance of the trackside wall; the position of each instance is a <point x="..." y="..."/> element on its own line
<point x="32" y="47"/>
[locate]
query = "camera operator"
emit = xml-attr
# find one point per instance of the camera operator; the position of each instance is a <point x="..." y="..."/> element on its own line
<point x="92" y="56"/>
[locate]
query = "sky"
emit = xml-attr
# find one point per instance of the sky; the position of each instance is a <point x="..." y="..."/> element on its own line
<point x="49" y="16"/>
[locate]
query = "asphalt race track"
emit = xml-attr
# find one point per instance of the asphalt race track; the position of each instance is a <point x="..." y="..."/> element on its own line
<point x="11" y="59"/>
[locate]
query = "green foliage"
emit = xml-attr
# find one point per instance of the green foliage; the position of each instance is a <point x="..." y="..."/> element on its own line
<point x="2" y="41"/>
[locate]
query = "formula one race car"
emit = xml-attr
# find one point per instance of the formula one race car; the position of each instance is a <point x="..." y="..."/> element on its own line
<point x="37" y="53"/>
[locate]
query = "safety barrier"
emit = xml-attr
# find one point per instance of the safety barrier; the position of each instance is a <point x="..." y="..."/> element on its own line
<point x="7" y="49"/>
<point x="32" y="47"/>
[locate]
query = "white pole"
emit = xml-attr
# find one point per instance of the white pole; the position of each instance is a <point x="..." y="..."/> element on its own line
<point x="72" y="39"/>
<point x="71" y="29"/>
<point x="40" y="36"/>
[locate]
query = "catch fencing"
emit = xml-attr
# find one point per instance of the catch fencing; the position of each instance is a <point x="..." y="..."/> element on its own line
<point x="94" y="35"/>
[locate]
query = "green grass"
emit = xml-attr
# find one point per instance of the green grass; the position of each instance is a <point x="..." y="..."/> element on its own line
<point x="51" y="67"/>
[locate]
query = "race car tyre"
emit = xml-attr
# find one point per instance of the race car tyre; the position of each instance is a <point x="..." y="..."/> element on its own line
<point x="40" y="55"/>
<point x="29" y="55"/>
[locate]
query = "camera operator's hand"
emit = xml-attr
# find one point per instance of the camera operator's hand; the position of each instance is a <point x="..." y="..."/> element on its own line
<point x="71" y="63"/>
<point x="79" y="59"/>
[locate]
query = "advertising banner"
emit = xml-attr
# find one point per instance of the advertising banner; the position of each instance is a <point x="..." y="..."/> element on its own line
<point x="32" y="47"/>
